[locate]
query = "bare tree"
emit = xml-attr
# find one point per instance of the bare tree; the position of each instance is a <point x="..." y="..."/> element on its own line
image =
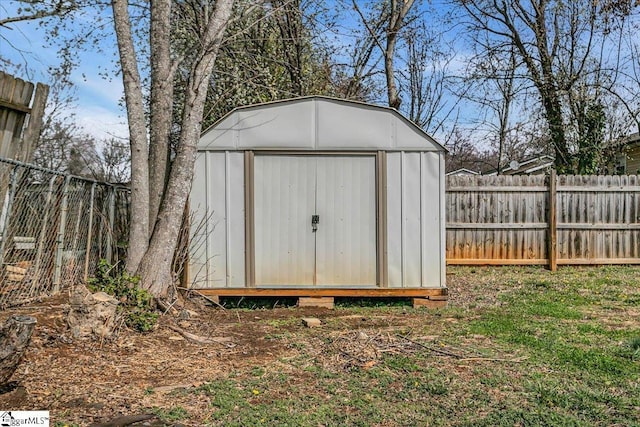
<point x="426" y="79"/>
<point x="554" y="40"/>
<point x="384" y="23"/>
<point x="492" y="84"/>
<point x="31" y="10"/>
<point x="463" y="153"/>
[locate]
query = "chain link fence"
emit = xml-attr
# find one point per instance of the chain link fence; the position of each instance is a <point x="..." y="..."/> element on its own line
<point x="54" y="228"/>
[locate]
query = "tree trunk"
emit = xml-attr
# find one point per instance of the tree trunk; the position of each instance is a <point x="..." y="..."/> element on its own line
<point x="139" y="229"/>
<point x="398" y="12"/>
<point x="155" y="267"/>
<point x="392" y="90"/>
<point x="15" y="335"/>
<point x="161" y="104"/>
<point x="553" y="114"/>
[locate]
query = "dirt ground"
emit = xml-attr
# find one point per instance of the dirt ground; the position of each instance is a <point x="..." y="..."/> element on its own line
<point x="85" y="382"/>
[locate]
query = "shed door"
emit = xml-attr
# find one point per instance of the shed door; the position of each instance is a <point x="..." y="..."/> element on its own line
<point x="288" y="192"/>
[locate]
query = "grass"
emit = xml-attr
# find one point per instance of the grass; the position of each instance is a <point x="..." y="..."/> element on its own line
<point x="554" y="349"/>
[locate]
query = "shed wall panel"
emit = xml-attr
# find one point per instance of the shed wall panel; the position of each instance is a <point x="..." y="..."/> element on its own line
<point x="430" y="218"/>
<point x="316" y="123"/>
<point x="409" y="137"/>
<point x="414" y="208"/>
<point x="394" y="219"/>
<point x="340" y="134"/>
<point x="442" y="221"/>
<point x="217" y="227"/>
<point x="235" y="219"/>
<point x="411" y="220"/>
<point x="198" y="206"/>
<point x="222" y="136"/>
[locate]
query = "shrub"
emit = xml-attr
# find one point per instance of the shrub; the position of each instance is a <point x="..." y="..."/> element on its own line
<point x="136" y="304"/>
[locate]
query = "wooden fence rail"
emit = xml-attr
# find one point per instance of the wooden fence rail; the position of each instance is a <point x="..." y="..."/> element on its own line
<point x="549" y="220"/>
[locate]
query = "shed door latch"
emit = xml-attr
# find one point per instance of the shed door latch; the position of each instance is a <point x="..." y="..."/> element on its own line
<point x="315" y="220"/>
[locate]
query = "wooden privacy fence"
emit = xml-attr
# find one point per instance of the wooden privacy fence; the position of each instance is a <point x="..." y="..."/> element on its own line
<point x="554" y="220"/>
<point x="20" y="116"/>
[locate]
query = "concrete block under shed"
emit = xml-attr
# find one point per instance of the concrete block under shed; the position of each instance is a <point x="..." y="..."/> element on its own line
<point x="319" y="302"/>
<point x="429" y="303"/>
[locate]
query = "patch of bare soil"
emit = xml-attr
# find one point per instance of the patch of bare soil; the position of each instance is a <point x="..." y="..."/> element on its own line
<point x="89" y="381"/>
<point x="481" y="286"/>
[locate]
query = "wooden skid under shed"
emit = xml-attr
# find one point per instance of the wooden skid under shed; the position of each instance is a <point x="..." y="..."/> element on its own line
<point x="325" y="292"/>
<point x="428" y="298"/>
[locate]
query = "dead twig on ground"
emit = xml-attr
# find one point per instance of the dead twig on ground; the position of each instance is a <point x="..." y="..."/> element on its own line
<point x="491" y="359"/>
<point x="200" y="294"/>
<point x="430" y="348"/>
<point x="202" y="340"/>
<point x="124" y="420"/>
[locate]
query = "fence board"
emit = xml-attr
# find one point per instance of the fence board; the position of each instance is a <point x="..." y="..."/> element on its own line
<point x="505" y="219"/>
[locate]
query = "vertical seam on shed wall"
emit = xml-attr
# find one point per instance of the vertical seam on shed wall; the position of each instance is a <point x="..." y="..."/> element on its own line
<point x="248" y="219"/>
<point x="422" y="219"/>
<point x="442" y="221"/>
<point x="236" y="131"/>
<point x="227" y="216"/>
<point x="315" y="125"/>
<point x="208" y="216"/>
<point x="384" y="229"/>
<point x="403" y="240"/>
<point x="315" y="211"/>
<point x="381" y="219"/>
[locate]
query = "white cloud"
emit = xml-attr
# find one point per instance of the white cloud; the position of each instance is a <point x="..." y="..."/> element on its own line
<point x="101" y="122"/>
<point x="106" y="93"/>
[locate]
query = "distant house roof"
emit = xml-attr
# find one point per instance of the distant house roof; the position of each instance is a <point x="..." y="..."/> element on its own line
<point x="462" y="171"/>
<point x="629" y="141"/>
<point x="534" y="165"/>
<point x="316" y="123"/>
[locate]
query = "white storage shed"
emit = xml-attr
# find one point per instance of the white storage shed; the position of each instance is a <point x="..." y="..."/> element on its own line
<point x="317" y="196"/>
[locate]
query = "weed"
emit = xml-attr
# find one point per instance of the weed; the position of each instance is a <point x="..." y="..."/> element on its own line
<point x="135" y="304"/>
<point x="257" y="371"/>
<point x="175" y="413"/>
<point x="631" y="349"/>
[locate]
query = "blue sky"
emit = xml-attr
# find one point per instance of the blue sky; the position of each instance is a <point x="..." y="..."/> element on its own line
<point x="97" y="108"/>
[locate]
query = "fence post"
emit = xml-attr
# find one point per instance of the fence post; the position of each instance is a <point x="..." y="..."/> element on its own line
<point x="43" y="232"/>
<point x="111" y="219"/>
<point x="57" y="274"/>
<point x="6" y="214"/>
<point x="87" y="253"/>
<point x="553" y="225"/>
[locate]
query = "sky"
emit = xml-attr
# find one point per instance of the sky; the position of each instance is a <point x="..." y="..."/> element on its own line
<point x="97" y="108"/>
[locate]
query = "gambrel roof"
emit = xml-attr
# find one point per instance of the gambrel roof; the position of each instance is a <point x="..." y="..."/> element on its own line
<point x="316" y="123"/>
